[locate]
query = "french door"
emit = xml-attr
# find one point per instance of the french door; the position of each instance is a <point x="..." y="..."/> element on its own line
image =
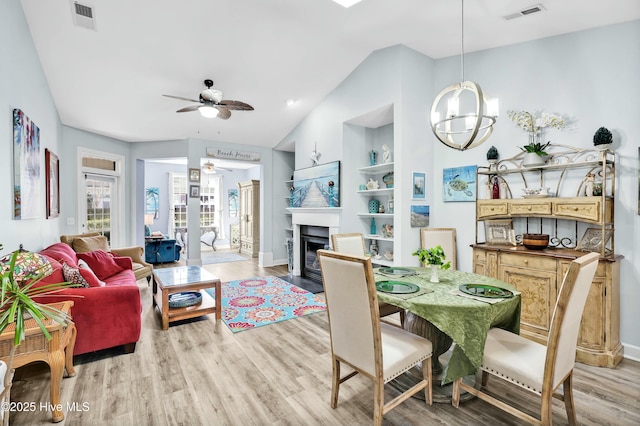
<point x="100" y="212"/>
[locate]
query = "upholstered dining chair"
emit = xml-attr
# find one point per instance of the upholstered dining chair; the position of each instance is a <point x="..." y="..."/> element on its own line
<point x="360" y="340"/>
<point x="353" y="244"/>
<point x="444" y="237"/>
<point x="533" y="366"/>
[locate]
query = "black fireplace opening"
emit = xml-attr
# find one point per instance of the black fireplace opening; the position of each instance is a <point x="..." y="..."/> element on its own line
<point x="312" y="239"/>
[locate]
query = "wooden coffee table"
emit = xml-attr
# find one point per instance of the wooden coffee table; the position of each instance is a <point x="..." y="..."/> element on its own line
<point x="168" y="281"/>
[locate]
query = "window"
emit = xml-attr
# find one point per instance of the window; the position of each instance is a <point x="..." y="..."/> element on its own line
<point x="210" y="206"/>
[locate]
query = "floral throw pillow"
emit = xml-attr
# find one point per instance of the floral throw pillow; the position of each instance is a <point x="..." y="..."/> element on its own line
<point x="74" y="276"/>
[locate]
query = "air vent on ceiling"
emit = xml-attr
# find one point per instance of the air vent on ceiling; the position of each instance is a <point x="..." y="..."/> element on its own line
<point x="83" y="15"/>
<point x="526" y="11"/>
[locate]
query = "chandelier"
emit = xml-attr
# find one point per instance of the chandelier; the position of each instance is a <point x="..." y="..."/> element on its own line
<point x="467" y="129"/>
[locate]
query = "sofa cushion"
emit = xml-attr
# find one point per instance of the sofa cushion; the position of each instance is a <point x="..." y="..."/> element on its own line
<point x="62" y="253"/>
<point x="89" y="275"/>
<point x="89" y="244"/>
<point x="74" y="276"/>
<point x="101" y="263"/>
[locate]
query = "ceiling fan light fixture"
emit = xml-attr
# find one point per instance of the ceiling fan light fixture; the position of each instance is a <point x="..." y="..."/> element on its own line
<point x="208" y="111"/>
<point x="347" y="3"/>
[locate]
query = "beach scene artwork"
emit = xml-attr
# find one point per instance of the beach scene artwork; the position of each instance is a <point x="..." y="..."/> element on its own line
<point x="317" y="186"/>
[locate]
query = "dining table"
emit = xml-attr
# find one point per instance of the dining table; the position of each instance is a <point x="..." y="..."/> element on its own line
<point x="442" y="313"/>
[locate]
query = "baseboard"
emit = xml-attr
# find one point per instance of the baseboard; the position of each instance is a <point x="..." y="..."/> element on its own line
<point x="632" y="352"/>
<point x="265" y="259"/>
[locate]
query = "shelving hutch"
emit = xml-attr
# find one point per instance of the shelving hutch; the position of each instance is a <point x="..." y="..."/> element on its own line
<point x="383" y="195"/>
<point x="565" y="214"/>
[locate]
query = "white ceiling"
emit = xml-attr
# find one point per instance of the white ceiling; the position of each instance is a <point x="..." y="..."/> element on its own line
<point x="262" y="52"/>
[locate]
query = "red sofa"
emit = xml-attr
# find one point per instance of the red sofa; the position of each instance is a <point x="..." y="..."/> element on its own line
<point x="108" y="314"/>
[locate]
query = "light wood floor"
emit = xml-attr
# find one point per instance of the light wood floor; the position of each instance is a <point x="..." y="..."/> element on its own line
<point x="199" y="373"/>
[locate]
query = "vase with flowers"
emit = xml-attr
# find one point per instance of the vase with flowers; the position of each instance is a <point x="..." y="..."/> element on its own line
<point x="434" y="257"/>
<point x="535" y="126"/>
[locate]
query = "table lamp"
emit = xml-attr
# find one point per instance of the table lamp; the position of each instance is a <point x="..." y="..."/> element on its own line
<point x="148" y="220"/>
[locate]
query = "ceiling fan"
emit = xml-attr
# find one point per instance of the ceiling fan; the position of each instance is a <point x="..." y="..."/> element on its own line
<point x="209" y="168"/>
<point x="211" y="103"/>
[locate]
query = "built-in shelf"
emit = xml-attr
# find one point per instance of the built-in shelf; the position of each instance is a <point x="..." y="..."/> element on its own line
<point x="314" y="209"/>
<point x="377" y="169"/>
<point x="381" y="215"/>
<point x="383" y="262"/>
<point x="288" y="229"/>
<point x="381" y="191"/>
<point x="377" y="237"/>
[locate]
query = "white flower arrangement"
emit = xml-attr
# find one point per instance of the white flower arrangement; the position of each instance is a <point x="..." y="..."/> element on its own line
<point x="535" y="123"/>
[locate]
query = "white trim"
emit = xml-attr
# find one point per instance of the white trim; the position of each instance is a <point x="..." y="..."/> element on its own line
<point x="631" y="352"/>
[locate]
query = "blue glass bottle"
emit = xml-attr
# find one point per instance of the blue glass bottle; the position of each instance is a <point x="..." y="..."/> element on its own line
<point x="373" y="226"/>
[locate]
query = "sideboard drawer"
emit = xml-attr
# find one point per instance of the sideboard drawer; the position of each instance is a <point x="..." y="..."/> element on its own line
<point x="586" y="210"/>
<point x="525" y="261"/>
<point x="529" y="207"/>
<point x="490" y="208"/>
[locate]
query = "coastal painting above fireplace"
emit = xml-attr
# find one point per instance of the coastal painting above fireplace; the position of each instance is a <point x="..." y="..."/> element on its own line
<point x="317" y="186"/>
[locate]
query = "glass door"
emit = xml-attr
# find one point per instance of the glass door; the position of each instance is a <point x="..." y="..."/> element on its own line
<point x="100" y="212"/>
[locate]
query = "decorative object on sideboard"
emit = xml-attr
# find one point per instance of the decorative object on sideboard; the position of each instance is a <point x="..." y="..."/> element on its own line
<point x="535" y="241"/>
<point x="602" y="138"/>
<point x="593" y="238"/>
<point x="499" y="232"/>
<point x="589" y="180"/>
<point x="492" y="158"/>
<point x="372" y="184"/>
<point x="535" y="126"/>
<point x="457" y="129"/>
<point x="386" y="154"/>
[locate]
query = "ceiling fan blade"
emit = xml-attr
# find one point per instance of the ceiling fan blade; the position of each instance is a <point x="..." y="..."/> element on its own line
<point x="235" y="105"/>
<point x="223" y="113"/>
<point x="189" y="108"/>
<point x="181" y="98"/>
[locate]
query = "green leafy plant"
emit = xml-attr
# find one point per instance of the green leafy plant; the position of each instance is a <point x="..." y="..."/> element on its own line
<point x="432" y="256"/>
<point x="17" y="304"/>
<point x="536" y="147"/>
<point x="602" y="137"/>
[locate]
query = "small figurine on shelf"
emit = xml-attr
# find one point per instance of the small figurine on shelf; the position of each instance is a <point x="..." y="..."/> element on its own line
<point x="372" y="157"/>
<point x="373" y="184"/>
<point x="373" y="248"/>
<point x="390" y="209"/>
<point x="386" y="154"/>
<point x="495" y="191"/>
<point x="381" y="208"/>
<point x="589" y="180"/>
<point x="387" y="231"/>
<point x="503" y="189"/>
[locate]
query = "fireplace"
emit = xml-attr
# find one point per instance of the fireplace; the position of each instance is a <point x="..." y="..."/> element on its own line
<point x="312" y="239"/>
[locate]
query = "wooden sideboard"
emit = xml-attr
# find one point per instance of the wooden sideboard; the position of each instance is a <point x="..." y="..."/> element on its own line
<point x="538" y="275"/>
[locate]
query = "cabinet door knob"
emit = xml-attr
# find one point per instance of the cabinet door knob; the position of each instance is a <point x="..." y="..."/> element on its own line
<point x="526" y="261"/>
<point x="529" y="208"/>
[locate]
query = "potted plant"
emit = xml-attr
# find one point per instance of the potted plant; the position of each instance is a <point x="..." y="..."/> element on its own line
<point x="492" y="154"/>
<point x="19" y="286"/>
<point x="602" y="138"/>
<point x="535" y="125"/>
<point x="434" y="257"/>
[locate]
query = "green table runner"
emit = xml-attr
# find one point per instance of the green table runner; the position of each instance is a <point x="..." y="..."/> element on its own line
<point x="465" y="320"/>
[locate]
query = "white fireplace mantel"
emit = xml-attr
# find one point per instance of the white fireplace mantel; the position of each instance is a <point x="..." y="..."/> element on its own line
<point x="311" y="216"/>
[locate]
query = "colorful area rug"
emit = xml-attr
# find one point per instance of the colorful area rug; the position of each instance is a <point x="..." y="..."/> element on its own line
<point x="255" y="302"/>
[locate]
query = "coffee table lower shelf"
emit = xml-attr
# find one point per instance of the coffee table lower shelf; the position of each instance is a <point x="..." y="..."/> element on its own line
<point x="207" y="306"/>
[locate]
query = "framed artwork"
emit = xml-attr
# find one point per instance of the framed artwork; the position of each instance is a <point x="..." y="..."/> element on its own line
<point x="194" y="175"/>
<point x="26" y="167"/>
<point x="592" y="239"/>
<point x="152" y="202"/>
<point x="459" y="183"/>
<point x="233" y="202"/>
<point x="419" y="216"/>
<point x="194" y="191"/>
<point x="52" y="173"/>
<point x="499" y="232"/>
<point x="418" y="186"/>
<point x="317" y="186"/>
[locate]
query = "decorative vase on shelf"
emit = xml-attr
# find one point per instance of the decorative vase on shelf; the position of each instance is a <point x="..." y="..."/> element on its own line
<point x="373" y="226"/>
<point x="374" y="206"/>
<point x="434" y="273"/>
<point x="372" y="157"/>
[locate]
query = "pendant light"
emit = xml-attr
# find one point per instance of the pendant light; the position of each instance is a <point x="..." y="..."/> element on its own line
<point x="467" y="129"/>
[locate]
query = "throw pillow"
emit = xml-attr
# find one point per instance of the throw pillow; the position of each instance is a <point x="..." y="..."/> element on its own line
<point x="89" y="275"/>
<point x="88" y="244"/>
<point x="101" y="263"/>
<point x="74" y="276"/>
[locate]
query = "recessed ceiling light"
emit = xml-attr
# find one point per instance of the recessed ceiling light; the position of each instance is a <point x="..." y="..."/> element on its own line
<point x="290" y="102"/>
<point x="347" y="3"/>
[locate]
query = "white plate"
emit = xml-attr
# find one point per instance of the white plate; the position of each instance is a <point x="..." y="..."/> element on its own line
<point x="536" y="196"/>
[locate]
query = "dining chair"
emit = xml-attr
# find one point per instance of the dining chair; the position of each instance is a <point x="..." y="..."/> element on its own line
<point x="538" y="368"/>
<point x="360" y="340"/>
<point x="445" y="237"/>
<point x="353" y="244"/>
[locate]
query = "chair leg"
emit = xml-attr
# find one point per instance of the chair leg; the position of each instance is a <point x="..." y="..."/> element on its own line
<point x="485" y="378"/>
<point x="567" y="391"/>
<point x="335" y="383"/>
<point x="455" y="393"/>
<point x="428" y="376"/>
<point x="378" y="402"/>
<point x="403" y="314"/>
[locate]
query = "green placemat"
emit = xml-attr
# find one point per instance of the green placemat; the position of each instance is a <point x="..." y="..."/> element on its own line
<point x="406" y="296"/>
